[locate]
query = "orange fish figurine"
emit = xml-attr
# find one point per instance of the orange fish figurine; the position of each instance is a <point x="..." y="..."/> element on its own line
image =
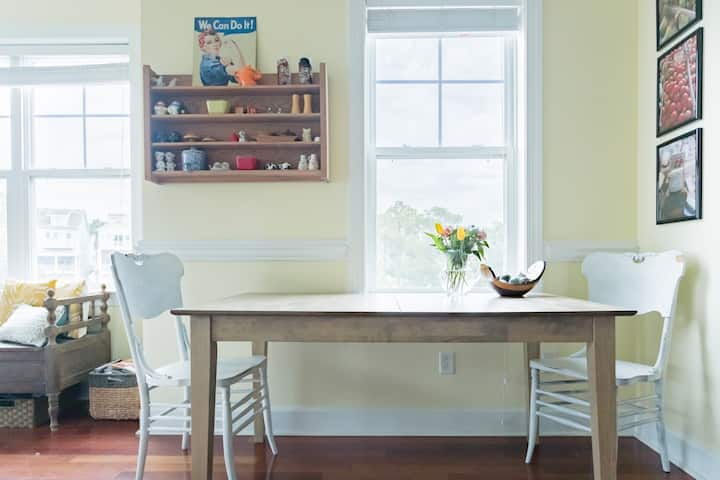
<point x="247" y="76"/>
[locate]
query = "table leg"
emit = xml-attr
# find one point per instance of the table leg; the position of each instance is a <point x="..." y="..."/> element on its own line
<point x="532" y="352"/>
<point x="203" y="365"/>
<point x="603" y="397"/>
<point x="258" y="348"/>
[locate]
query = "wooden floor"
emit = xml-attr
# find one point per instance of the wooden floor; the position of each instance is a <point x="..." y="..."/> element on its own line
<point x="84" y="449"/>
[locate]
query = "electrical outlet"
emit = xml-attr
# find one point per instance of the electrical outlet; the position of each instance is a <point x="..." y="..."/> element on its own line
<point x="447" y="363"/>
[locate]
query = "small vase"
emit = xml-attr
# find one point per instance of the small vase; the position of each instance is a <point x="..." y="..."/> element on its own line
<point x="459" y="277"/>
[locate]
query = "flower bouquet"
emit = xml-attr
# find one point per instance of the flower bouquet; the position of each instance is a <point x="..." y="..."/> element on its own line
<point x="458" y="244"/>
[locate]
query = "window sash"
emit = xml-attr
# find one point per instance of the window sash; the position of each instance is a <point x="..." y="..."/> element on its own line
<point x="507" y="152"/>
<point x="20" y="208"/>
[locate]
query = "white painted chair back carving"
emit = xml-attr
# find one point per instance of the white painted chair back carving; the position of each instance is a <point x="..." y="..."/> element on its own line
<point x="149" y="286"/>
<point x="646" y="282"/>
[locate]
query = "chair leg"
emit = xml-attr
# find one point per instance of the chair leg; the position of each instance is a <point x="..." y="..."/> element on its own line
<point x="660" y="426"/>
<point x="186" y="433"/>
<point x="228" y="450"/>
<point x="144" y="433"/>
<point x="267" y="412"/>
<point x="533" y="420"/>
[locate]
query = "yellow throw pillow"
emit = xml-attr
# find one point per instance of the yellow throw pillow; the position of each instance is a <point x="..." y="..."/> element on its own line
<point x="72" y="289"/>
<point x="16" y="293"/>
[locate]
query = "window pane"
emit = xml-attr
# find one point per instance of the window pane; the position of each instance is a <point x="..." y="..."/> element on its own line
<point x="78" y="222"/>
<point x="473" y="58"/>
<point x="69" y="60"/>
<point x="412" y="195"/>
<point x="3" y="232"/>
<point x="5" y="146"/>
<point x="473" y="115"/>
<point x="406" y="58"/>
<point x="57" y="142"/>
<point x="107" y="99"/>
<point x="4" y="101"/>
<point x="108" y="142"/>
<point x="406" y="115"/>
<point x="57" y="100"/>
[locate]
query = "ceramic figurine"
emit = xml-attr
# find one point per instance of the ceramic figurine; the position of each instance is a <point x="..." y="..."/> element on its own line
<point x="174" y="136"/>
<point x="222" y="166"/>
<point x="307" y="104"/>
<point x="176" y="107"/>
<point x="158" y="81"/>
<point x="247" y="76"/>
<point x="285" y="166"/>
<point x="191" y="137"/>
<point x="313" y="162"/>
<point x="303" y="163"/>
<point x="160" y="108"/>
<point x="160" y="162"/>
<point x="283" y="72"/>
<point x="305" y="71"/>
<point x="295" y="109"/>
<point x="170" y="161"/>
<point x="279" y="110"/>
<point x="251" y="109"/>
<point x="316" y="139"/>
<point x="242" y="136"/>
<point x="307" y="135"/>
<point x="172" y="82"/>
<point x="271" y="166"/>
<point x="269" y="109"/>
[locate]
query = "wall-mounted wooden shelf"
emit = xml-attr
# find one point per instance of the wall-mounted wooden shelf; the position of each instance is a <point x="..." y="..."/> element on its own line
<point x="267" y="96"/>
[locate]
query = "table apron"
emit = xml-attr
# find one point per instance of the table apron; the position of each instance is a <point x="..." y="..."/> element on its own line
<point x="401" y="329"/>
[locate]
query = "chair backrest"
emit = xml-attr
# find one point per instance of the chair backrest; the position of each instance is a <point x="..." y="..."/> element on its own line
<point x="646" y="282"/>
<point x="147" y="286"/>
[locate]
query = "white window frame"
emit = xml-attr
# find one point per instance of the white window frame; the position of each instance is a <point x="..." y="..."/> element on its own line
<point x="19" y="179"/>
<point x="527" y="160"/>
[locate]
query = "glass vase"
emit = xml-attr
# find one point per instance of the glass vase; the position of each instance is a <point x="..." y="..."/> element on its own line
<point x="459" y="276"/>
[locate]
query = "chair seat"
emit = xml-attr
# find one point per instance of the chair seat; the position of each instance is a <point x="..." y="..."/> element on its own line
<point x="228" y="371"/>
<point x="576" y="367"/>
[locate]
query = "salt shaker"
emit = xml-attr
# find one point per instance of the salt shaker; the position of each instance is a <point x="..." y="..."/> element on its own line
<point x="305" y="71"/>
<point x="313" y="163"/>
<point x="160" y="161"/>
<point x="170" y="161"/>
<point x="303" y="164"/>
<point x="283" y="71"/>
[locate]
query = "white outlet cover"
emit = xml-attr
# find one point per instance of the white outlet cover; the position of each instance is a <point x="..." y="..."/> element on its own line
<point x="446" y="363"/>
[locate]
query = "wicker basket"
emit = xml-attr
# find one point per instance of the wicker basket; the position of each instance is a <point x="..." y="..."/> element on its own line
<point x="113" y="394"/>
<point x="23" y="411"/>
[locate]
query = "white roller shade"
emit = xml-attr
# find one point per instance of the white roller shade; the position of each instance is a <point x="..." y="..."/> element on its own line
<point x="438" y="16"/>
<point x="78" y="74"/>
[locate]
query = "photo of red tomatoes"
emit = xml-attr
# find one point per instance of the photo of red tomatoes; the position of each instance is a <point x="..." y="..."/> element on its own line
<point x="680" y="84"/>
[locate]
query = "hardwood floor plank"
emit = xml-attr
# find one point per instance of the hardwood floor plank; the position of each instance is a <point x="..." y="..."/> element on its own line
<point x="84" y="449"/>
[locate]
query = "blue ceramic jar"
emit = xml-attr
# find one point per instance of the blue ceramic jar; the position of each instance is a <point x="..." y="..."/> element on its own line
<point x="194" y="159"/>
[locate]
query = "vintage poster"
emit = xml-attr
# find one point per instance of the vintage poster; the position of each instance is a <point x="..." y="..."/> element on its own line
<point x="223" y="46"/>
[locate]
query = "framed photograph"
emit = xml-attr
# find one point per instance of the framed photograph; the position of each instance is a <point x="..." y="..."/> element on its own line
<point x="673" y="17"/>
<point x="679" y="178"/>
<point x="679" y="80"/>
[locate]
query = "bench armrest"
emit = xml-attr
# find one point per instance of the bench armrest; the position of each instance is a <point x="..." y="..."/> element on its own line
<point x="51" y="303"/>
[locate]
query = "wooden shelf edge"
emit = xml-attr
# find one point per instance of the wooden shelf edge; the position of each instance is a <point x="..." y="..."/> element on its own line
<point x="239" y="145"/>
<point x="229" y="176"/>
<point x="238" y="117"/>
<point x="238" y="90"/>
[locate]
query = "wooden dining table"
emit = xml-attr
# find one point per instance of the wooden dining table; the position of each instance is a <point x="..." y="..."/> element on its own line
<point x="404" y="318"/>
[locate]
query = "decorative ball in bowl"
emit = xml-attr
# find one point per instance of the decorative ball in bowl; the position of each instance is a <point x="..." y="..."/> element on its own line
<point x="515" y="285"/>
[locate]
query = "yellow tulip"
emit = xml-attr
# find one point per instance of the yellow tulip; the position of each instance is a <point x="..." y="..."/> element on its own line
<point x="461" y="233"/>
<point x="439" y="228"/>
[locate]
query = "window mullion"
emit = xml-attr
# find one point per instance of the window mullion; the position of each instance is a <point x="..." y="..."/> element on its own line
<point x="440" y="90"/>
<point x="84" y="127"/>
<point x="18" y="225"/>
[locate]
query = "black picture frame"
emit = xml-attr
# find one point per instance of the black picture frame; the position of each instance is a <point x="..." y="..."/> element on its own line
<point x="697" y="87"/>
<point x="662" y="42"/>
<point x="663" y="185"/>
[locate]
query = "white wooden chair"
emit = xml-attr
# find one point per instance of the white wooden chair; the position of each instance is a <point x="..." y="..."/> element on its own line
<point x="147" y="286"/>
<point x="644" y="282"/>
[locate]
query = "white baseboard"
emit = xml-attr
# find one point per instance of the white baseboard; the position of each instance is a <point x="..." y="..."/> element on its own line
<point x="686" y="454"/>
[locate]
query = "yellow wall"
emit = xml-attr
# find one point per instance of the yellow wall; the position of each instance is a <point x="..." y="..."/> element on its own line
<point x="693" y="384"/>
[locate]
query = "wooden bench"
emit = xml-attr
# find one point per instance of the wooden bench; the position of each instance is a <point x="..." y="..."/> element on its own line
<point x="62" y="362"/>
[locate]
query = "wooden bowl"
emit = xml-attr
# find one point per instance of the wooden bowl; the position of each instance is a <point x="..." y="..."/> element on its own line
<point x="504" y="289"/>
